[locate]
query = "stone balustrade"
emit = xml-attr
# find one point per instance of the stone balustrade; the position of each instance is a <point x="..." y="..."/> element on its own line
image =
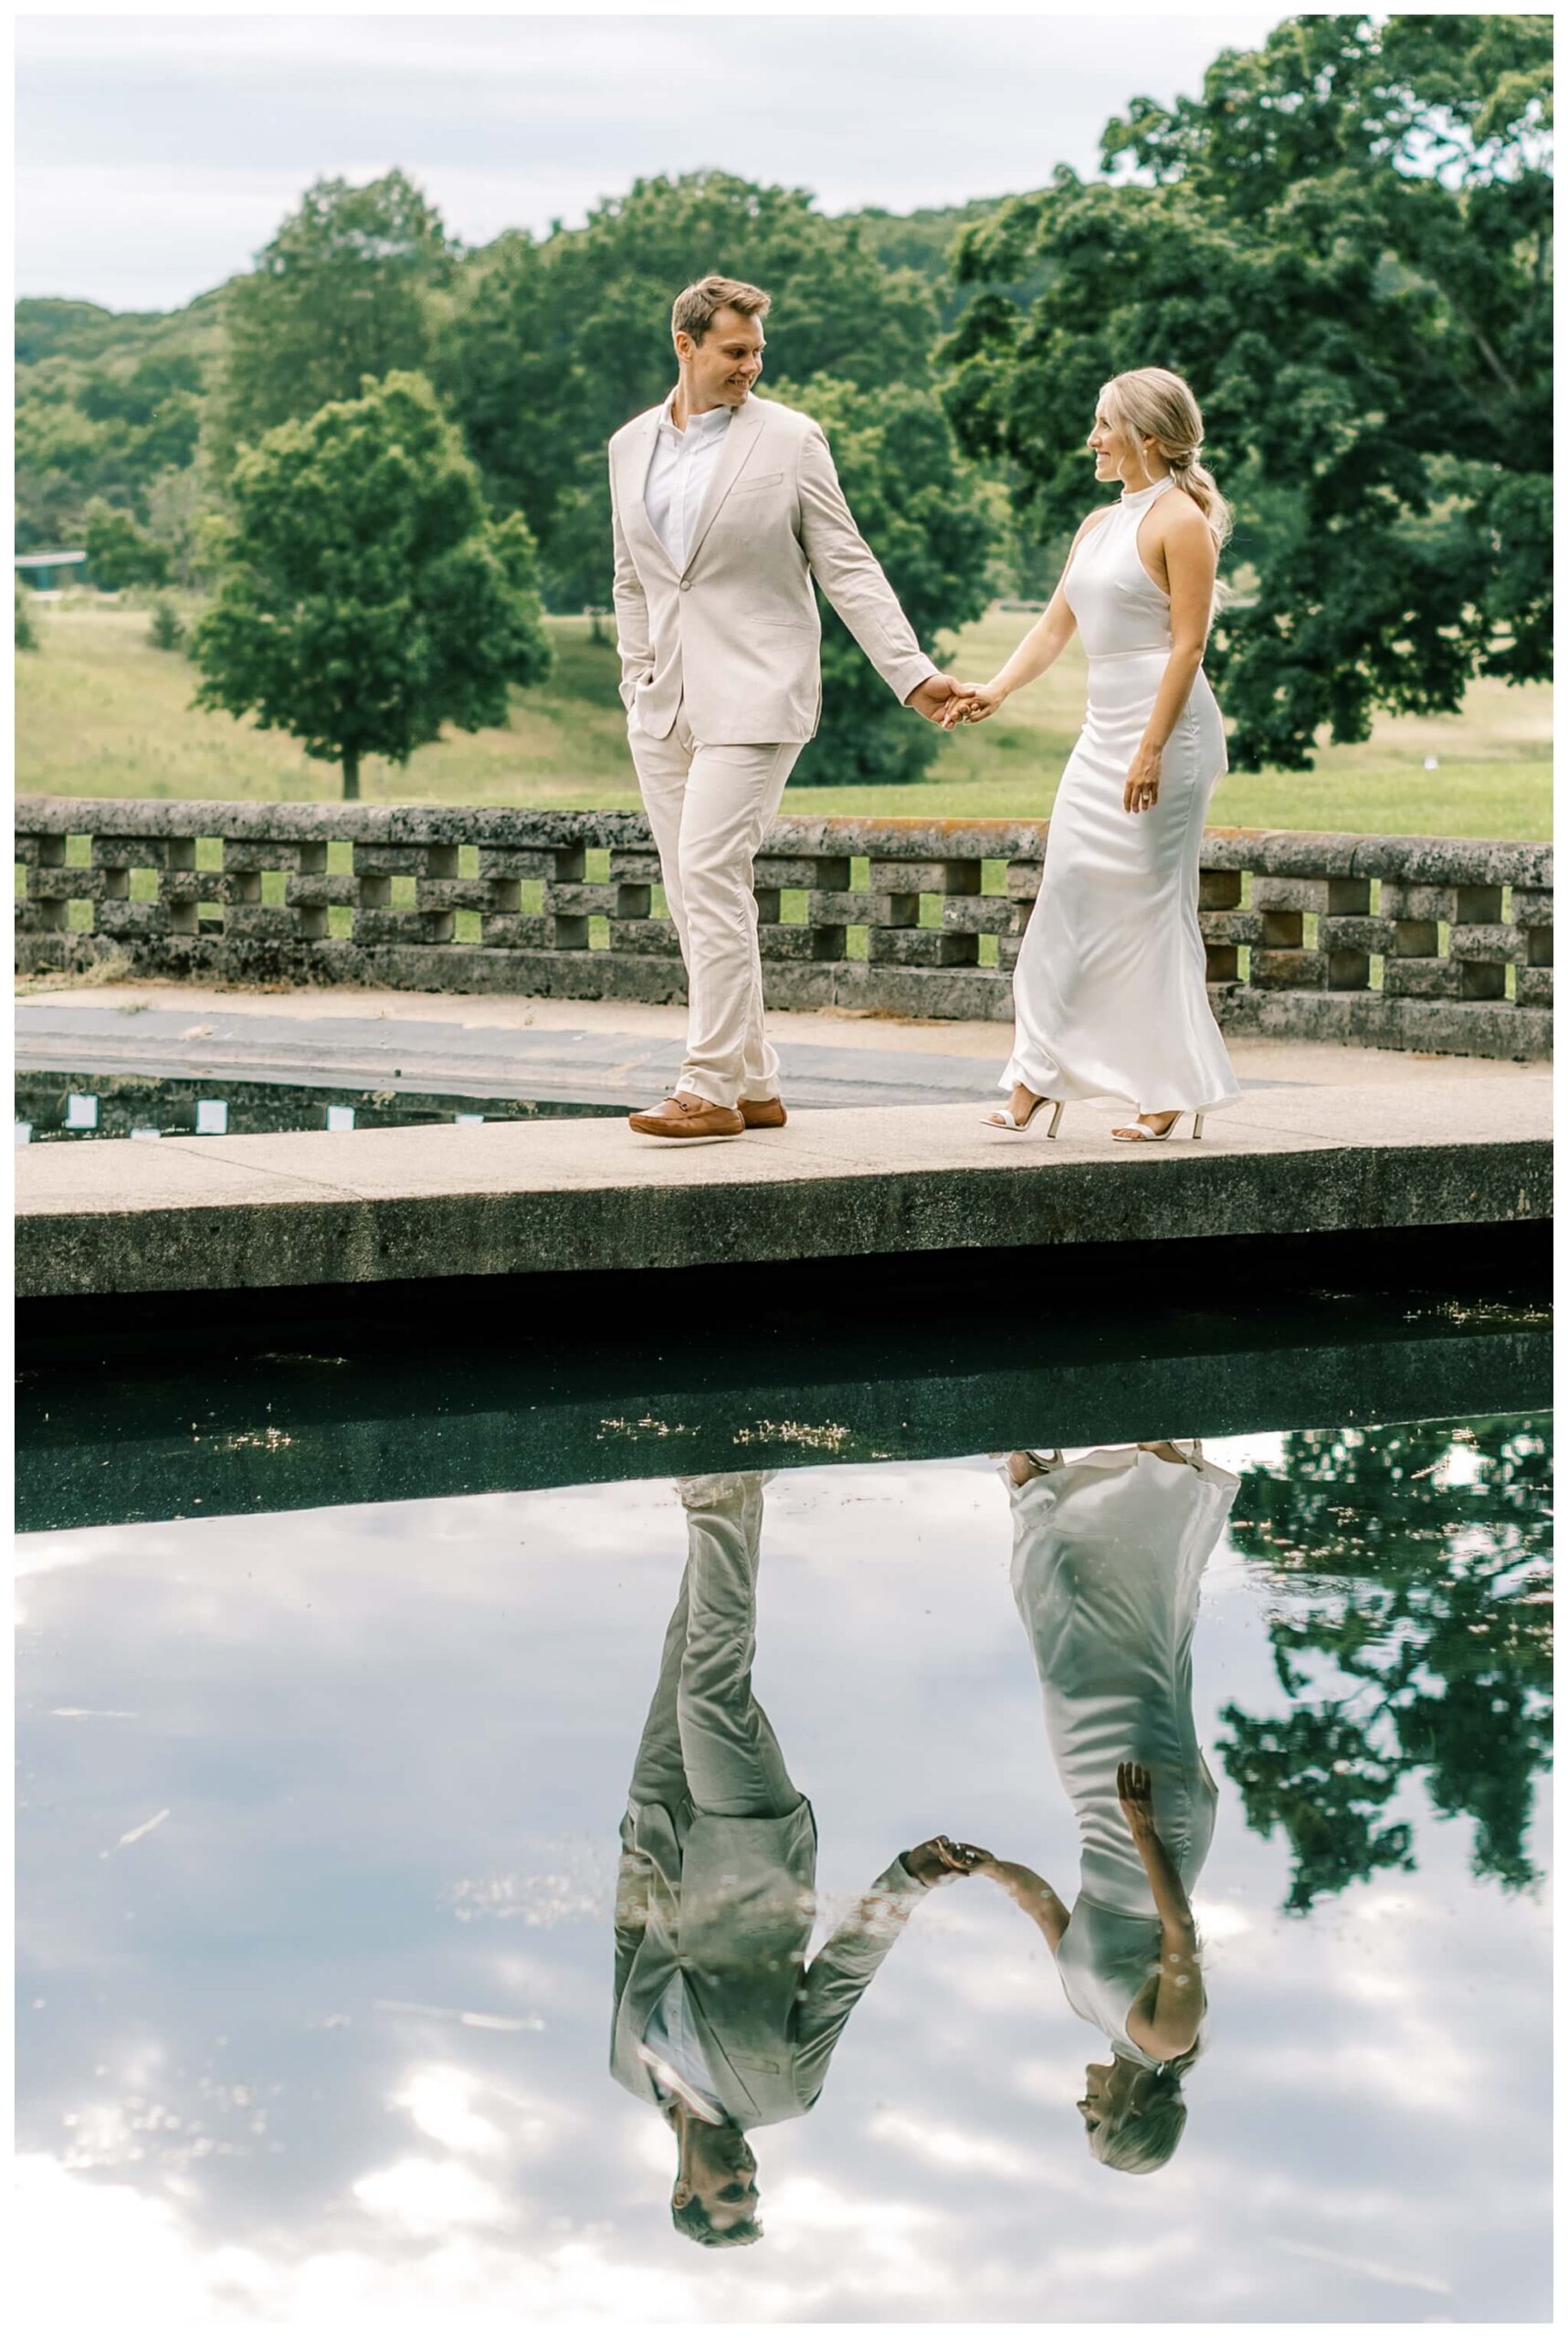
<point x="1432" y="942"/>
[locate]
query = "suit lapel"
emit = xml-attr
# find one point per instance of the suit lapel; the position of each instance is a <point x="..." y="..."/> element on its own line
<point x="740" y="440"/>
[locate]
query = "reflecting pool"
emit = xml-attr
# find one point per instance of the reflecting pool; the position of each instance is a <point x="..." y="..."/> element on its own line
<point x="359" y="1849"/>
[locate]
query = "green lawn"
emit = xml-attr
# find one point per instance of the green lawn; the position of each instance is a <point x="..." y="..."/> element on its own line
<point x="100" y="712"/>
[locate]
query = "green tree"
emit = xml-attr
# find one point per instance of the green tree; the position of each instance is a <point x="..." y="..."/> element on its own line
<point x="367" y="599"/>
<point x="119" y="553"/>
<point x="1344" y="244"/>
<point x="931" y="521"/>
<point x="1425" y="1587"/>
<point x="553" y="345"/>
<point x="27" y="631"/>
<point x="345" y="288"/>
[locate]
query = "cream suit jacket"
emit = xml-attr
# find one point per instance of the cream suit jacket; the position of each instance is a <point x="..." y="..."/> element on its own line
<point x="736" y="632"/>
<point x="732" y="1901"/>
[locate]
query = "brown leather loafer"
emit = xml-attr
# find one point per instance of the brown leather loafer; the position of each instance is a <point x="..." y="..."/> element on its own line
<point x="686" y="1115"/>
<point x="763" y="1112"/>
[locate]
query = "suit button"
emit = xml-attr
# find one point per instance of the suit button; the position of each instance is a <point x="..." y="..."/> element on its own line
<point x="686" y="583"/>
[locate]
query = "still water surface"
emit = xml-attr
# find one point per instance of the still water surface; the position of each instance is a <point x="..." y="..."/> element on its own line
<point x="324" y="1818"/>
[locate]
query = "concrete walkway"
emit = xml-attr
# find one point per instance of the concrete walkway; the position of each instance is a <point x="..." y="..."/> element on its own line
<point x="576" y="1050"/>
<point x="248" y="1211"/>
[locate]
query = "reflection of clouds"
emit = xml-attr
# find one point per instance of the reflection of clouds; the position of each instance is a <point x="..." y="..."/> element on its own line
<point x="392" y="1740"/>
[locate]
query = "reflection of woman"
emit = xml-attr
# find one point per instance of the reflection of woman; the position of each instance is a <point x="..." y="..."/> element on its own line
<point x="1108" y="1555"/>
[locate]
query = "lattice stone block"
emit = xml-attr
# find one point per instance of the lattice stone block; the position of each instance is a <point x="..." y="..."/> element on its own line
<point x="647" y="937"/>
<point x="259" y="922"/>
<point x="248" y="853"/>
<point x="461" y="894"/>
<point x="1219" y="888"/>
<point x="977" y="913"/>
<point x="319" y="892"/>
<point x="1275" y="969"/>
<point x="1370" y="935"/>
<point x="635" y="868"/>
<point x="226" y="886"/>
<point x="863" y="909"/>
<point x="1438" y="978"/>
<point x="1313" y="896"/>
<point x="79" y="884"/>
<point x="827" y="873"/>
<point x="922" y="946"/>
<point x="1533" y="986"/>
<point x="1529" y="907"/>
<point x="1499" y="945"/>
<point x="797" y="942"/>
<point x="925" y="877"/>
<point x="1024" y="879"/>
<point x="1007" y="953"/>
<point x="1538" y="946"/>
<point x="406" y="860"/>
<point x="1228" y="929"/>
<point x="1442" y="904"/>
<point x="1221" y="962"/>
<point x="634" y="902"/>
<point x="40" y="852"/>
<point x="378" y="928"/>
<point x="130" y="921"/>
<point x="1414" y="937"/>
<point x="143" y="852"/>
<point x="497" y="860"/>
<point x="581" y="901"/>
<point x="508" y="930"/>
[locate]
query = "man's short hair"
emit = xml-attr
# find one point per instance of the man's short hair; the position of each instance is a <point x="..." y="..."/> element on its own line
<point x="694" y="2221"/>
<point x="696" y="308"/>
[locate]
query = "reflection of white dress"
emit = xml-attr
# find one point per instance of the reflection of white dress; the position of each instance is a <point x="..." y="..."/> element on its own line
<point x="1108" y="1554"/>
<point x="1110" y="991"/>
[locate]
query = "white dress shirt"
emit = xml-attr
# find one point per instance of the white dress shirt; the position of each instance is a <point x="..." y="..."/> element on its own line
<point x="678" y="471"/>
<point x="673" y="2052"/>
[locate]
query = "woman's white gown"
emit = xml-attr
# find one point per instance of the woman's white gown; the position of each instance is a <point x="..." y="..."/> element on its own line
<point x="1109" y="992"/>
<point x="1108" y="1554"/>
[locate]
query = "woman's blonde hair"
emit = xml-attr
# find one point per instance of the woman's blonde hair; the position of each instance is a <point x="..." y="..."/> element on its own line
<point x="1150" y="403"/>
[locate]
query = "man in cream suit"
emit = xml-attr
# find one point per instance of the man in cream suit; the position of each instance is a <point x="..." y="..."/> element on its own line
<point x="725" y="508"/>
<point x="718" y="2022"/>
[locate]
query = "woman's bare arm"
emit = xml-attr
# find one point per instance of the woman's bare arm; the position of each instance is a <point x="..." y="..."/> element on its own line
<point x="1032" y="1894"/>
<point x="1191" y="563"/>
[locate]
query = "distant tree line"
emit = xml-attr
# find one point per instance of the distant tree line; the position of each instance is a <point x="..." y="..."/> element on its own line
<point x="1344" y="242"/>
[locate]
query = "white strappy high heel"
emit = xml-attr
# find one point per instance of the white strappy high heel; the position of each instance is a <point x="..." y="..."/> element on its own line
<point x="1004" y="1119"/>
<point x="1136" y="1133"/>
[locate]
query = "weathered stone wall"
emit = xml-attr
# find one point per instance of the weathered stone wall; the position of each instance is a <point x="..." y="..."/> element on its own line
<point x="1432" y="942"/>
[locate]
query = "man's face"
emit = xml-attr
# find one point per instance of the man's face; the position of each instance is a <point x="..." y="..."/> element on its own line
<point x="722" y="2172"/>
<point x="725" y="362"/>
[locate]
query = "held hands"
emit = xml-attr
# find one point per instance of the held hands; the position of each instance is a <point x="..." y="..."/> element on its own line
<point x="937" y="692"/>
<point x="941" y="1860"/>
<point x="978" y="700"/>
<point x="1142" y="790"/>
<point x="1136" y="1792"/>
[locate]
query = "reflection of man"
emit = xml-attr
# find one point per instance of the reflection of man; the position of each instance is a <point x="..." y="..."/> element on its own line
<point x="718" y="2022"/>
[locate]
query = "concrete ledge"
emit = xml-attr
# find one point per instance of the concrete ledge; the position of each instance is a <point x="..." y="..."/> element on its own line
<point x="260" y="1212"/>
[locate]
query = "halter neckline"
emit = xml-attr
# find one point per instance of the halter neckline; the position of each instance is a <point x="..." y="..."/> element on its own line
<point x="1136" y="497"/>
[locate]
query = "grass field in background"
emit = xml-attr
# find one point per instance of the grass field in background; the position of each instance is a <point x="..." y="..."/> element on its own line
<point x="100" y="712"/>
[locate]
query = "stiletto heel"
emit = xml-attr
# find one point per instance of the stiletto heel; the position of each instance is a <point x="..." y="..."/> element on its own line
<point x="1004" y="1118"/>
<point x="1136" y="1133"/>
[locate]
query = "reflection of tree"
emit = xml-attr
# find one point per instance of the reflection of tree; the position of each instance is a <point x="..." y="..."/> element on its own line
<point x="1416" y="1562"/>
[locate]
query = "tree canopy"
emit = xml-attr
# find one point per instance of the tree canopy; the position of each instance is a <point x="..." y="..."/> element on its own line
<point x="1344" y="244"/>
<point x="1413" y="1638"/>
<point x="367" y="598"/>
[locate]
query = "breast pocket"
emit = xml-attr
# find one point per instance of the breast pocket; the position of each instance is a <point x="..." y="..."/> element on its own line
<point x="754" y="486"/>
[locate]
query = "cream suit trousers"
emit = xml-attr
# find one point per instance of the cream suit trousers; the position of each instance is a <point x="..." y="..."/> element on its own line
<point x="710" y="808"/>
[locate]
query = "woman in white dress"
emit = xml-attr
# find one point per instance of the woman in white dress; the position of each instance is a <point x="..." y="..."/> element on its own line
<point x="1109" y="992"/>
<point x="1108" y="1554"/>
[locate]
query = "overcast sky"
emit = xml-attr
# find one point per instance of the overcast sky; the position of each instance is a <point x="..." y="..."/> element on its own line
<point x="155" y="154"/>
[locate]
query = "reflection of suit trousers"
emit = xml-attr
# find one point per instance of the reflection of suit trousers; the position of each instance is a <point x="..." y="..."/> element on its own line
<point x="706" y="1739"/>
<point x="710" y="808"/>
